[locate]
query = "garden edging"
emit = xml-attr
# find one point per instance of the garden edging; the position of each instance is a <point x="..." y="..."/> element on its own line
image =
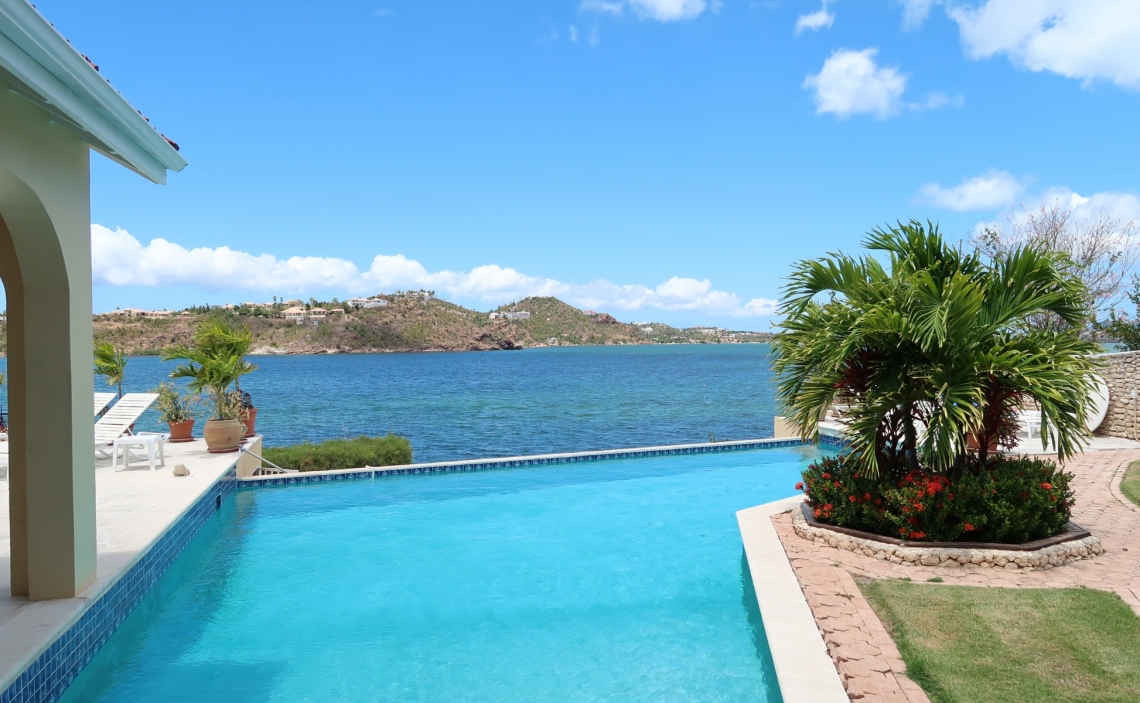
<point x="1044" y="557"/>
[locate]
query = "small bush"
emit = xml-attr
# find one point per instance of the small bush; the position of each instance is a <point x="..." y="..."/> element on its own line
<point x="342" y="453"/>
<point x="1008" y="500"/>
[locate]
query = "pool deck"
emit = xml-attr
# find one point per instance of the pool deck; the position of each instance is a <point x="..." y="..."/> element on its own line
<point x="133" y="509"/>
<point x="864" y="655"/>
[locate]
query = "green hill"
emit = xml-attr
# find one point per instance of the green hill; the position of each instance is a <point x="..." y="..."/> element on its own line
<point x="409" y="322"/>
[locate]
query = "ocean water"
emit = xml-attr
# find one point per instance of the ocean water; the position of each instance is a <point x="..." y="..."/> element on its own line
<point x="620" y="580"/>
<point x="464" y="405"/>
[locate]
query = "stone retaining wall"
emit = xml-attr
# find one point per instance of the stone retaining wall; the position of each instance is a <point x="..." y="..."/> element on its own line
<point x="1044" y="558"/>
<point x="1122" y="374"/>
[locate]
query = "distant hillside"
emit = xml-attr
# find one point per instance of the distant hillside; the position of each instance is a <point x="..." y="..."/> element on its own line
<point x="411" y="323"/>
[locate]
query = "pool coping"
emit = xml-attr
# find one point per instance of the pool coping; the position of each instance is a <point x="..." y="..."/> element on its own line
<point x="804" y="668"/>
<point x="531" y="460"/>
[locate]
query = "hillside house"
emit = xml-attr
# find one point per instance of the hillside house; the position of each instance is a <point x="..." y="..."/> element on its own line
<point x="296" y="314"/>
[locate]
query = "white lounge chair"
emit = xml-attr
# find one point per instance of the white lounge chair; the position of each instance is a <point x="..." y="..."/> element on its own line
<point x="118" y="420"/>
<point x="102" y="400"/>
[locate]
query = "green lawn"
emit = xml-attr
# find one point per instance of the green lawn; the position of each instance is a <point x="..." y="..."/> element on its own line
<point x="966" y="644"/>
<point x="1130" y="484"/>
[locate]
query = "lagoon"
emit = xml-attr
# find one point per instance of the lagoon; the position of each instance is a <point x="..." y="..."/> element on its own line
<point x="465" y="405"/>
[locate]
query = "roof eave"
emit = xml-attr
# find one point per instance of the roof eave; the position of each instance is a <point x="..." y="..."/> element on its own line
<point x="61" y="80"/>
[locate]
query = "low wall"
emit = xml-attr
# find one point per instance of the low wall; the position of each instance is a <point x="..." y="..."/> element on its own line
<point x="1121" y="372"/>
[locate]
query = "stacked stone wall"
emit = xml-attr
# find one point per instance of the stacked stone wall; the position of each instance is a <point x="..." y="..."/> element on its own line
<point x="1122" y="374"/>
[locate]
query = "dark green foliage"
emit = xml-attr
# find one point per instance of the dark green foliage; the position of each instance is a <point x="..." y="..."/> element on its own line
<point x="1007" y="500"/>
<point x="390" y="450"/>
<point x="934" y="349"/>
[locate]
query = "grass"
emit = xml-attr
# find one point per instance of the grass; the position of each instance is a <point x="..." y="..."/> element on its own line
<point x="342" y="454"/>
<point x="1130" y="484"/>
<point x="966" y="644"/>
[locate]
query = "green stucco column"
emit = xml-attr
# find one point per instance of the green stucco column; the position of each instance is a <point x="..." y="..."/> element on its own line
<point x="45" y="263"/>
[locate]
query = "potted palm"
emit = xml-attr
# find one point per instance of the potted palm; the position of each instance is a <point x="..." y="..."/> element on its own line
<point x="176" y="409"/>
<point x="215" y="362"/>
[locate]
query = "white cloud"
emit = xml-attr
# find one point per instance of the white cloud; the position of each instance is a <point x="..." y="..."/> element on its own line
<point x="1083" y="39"/>
<point x="993" y="190"/>
<point x="915" y="12"/>
<point x="816" y="20"/>
<point x="1114" y="204"/>
<point x="660" y="10"/>
<point x="573" y="34"/>
<point x="850" y="83"/>
<point x="119" y="259"/>
<point x="616" y="7"/>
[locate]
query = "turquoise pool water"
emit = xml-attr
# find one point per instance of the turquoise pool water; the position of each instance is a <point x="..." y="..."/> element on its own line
<point x="619" y="580"/>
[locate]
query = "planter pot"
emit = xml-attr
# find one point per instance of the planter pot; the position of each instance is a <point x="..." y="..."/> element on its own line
<point x="181" y="431"/>
<point x="250" y="421"/>
<point x="223" y="435"/>
<point x="973" y="445"/>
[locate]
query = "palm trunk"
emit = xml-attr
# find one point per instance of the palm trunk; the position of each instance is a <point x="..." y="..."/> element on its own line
<point x="910" y="437"/>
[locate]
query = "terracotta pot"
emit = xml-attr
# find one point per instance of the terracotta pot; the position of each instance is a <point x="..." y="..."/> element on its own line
<point x="223" y="435"/>
<point x="973" y="445"/>
<point x="250" y="421"/>
<point x="181" y="431"/>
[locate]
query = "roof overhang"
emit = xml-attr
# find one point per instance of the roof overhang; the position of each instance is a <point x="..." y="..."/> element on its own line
<point x="43" y="67"/>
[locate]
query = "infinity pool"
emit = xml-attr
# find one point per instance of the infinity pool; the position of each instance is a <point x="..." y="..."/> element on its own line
<point x="618" y="580"/>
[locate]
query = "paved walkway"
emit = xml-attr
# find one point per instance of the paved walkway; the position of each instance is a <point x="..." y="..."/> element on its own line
<point x="864" y="654"/>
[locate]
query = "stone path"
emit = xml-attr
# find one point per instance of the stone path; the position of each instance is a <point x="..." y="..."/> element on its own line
<point x="867" y="659"/>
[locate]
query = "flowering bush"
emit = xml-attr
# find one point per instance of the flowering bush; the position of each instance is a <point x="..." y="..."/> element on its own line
<point x="1006" y="500"/>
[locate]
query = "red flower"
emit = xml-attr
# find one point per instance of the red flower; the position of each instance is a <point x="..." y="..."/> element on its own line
<point x="912" y="520"/>
<point x="918" y="507"/>
<point x="1047" y="486"/>
<point x="968" y="527"/>
<point x="827" y="508"/>
<point x="826" y="475"/>
<point x="851" y="498"/>
<point x="800" y="486"/>
<point x="817" y="512"/>
<point x="866" y="496"/>
<point x="878" y="501"/>
<point x="836" y="484"/>
<point x="917" y="535"/>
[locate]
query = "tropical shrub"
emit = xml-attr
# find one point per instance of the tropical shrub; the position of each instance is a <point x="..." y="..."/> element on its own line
<point x="356" y="453"/>
<point x="1009" y="500"/>
<point x="934" y="351"/>
<point x="215" y="361"/>
<point x="111" y="364"/>
<point x="173" y="406"/>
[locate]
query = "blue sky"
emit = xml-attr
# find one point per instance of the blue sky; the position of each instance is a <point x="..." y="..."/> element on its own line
<point x="657" y="159"/>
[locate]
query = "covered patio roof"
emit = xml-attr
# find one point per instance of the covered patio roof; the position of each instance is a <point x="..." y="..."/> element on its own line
<point x="45" y="68"/>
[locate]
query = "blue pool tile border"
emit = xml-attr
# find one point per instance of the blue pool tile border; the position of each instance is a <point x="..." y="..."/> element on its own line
<point x="45" y="680"/>
<point x="524" y="461"/>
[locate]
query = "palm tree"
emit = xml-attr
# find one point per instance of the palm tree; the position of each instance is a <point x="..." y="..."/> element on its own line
<point x="111" y="364"/>
<point x="933" y="351"/>
<point x="216" y="360"/>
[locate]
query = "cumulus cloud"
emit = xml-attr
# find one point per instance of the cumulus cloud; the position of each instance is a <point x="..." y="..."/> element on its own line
<point x="915" y="12"/>
<point x="1084" y="39"/>
<point x="660" y="10"/>
<point x="815" y="20"/>
<point x="851" y="83"/>
<point x="989" y="191"/>
<point x="119" y="259"/>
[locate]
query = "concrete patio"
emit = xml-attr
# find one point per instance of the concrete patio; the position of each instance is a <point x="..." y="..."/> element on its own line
<point x="134" y="508"/>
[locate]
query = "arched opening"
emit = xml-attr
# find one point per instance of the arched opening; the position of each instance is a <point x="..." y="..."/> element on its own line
<point x="50" y="474"/>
